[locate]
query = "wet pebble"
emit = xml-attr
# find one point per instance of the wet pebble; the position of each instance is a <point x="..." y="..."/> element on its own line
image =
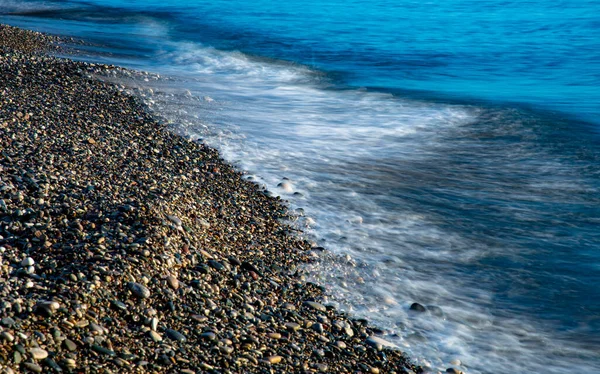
<point x="139" y="290"/>
<point x="416" y="307"/>
<point x="316" y="306"/>
<point x="175" y="335"/>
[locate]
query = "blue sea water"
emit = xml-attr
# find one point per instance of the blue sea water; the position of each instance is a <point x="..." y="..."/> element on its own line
<point x="445" y="153"/>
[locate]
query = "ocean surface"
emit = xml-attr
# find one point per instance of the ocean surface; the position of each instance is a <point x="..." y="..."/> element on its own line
<point x="442" y="152"/>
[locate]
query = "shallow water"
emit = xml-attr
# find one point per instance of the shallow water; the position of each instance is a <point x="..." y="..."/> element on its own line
<point x="443" y="154"/>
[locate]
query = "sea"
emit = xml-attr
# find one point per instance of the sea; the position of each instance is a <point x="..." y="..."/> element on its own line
<point x="445" y="153"/>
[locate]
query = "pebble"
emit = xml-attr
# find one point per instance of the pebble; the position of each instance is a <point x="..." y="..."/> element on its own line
<point x="274" y="359"/>
<point x="155" y="336"/>
<point x="340" y="344"/>
<point x="318" y="327"/>
<point x="176" y="220"/>
<point x="70" y="363"/>
<point x="38" y="353"/>
<point x="175" y="335"/>
<point x="209" y="335"/>
<point x="70" y="345"/>
<point x="154" y="323"/>
<point x="52" y="364"/>
<point x="8" y="322"/>
<point x="33" y="367"/>
<point x="139" y="290"/>
<point x="315" y="305"/>
<point x="216" y="265"/>
<point x="379" y="343"/>
<point x="103" y="350"/>
<point x="416" y="307"/>
<point x="27" y="262"/>
<point x="292" y="326"/>
<point x="172" y="282"/>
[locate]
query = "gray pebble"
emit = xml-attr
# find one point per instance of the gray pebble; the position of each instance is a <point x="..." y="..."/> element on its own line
<point x="175" y="335"/>
<point x="139" y="290"/>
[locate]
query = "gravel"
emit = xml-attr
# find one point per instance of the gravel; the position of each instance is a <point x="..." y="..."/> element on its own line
<point x="127" y="248"/>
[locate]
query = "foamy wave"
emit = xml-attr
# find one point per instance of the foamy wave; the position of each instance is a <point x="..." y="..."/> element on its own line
<point x="343" y="156"/>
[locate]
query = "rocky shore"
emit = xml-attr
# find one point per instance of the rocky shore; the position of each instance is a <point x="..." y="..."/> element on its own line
<point x="126" y="248"/>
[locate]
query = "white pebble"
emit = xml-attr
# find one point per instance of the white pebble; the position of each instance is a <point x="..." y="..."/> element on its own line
<point x="38" y="353"/>
<point x="356" y="220"/>
<point x="286" y="186"/>
<point x="27" y="262"/>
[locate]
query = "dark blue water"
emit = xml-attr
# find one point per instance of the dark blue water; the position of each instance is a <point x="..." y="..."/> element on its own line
<point x="445" y="153"/>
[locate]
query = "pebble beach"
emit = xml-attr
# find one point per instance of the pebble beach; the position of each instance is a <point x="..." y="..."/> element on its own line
<point x="127" y="248"/>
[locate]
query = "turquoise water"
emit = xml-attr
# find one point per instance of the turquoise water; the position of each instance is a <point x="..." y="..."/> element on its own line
<point x="445" y="153"/>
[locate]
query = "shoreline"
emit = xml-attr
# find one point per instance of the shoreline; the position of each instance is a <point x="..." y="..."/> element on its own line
<point x="127" y="248"/>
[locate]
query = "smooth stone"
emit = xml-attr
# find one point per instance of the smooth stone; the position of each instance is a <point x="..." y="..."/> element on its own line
<point x="379" y="343"/>
<point x="8" y="322"/>
<point x="44" y="310"/>
<point x="435" y="310"/>
<point x="176" y="220"/>
<point x="97" y="328"/>
<point x="209" y="335"/>
<point x="27" y="262"/>
<point x="154" y="323"/>
<point x="33" y="367"/>
<point x="70" y="345"/>
<point x="416" y="307"/>
<point x="456" y="362"/>
<point x="292" y="326"/>
<point x="286" y="186"/>
<point x="155" y="336"/>
<point x="344" y="326"/>
<point x="38" y="353"/>
<point x="274" y="359"/>
<point x="102" y="350"/>
<point x="453" y="371"/>
<point x="315" y="305"/>
<point x="5" y="335"/>
<point x="175" y="335"/>
<point x="172" y="282"/>
<point x="70" y="363"/>
<point x="118" y="304"/>
<point x="226" y="350"/>
<point x="318" y="327"/>
<point x="289" y="306"/>
<point x="139" y="290"/>
<point x="234" y="261"/>
<point x="199" y="318"/>
<point x="216" y="265"/>
<point x="249" y="267"/>
<point x="51" y="363"/>
<point x="274" y="335"/>
<point x="322" y="367"/>
<point x="340" y="344"/>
